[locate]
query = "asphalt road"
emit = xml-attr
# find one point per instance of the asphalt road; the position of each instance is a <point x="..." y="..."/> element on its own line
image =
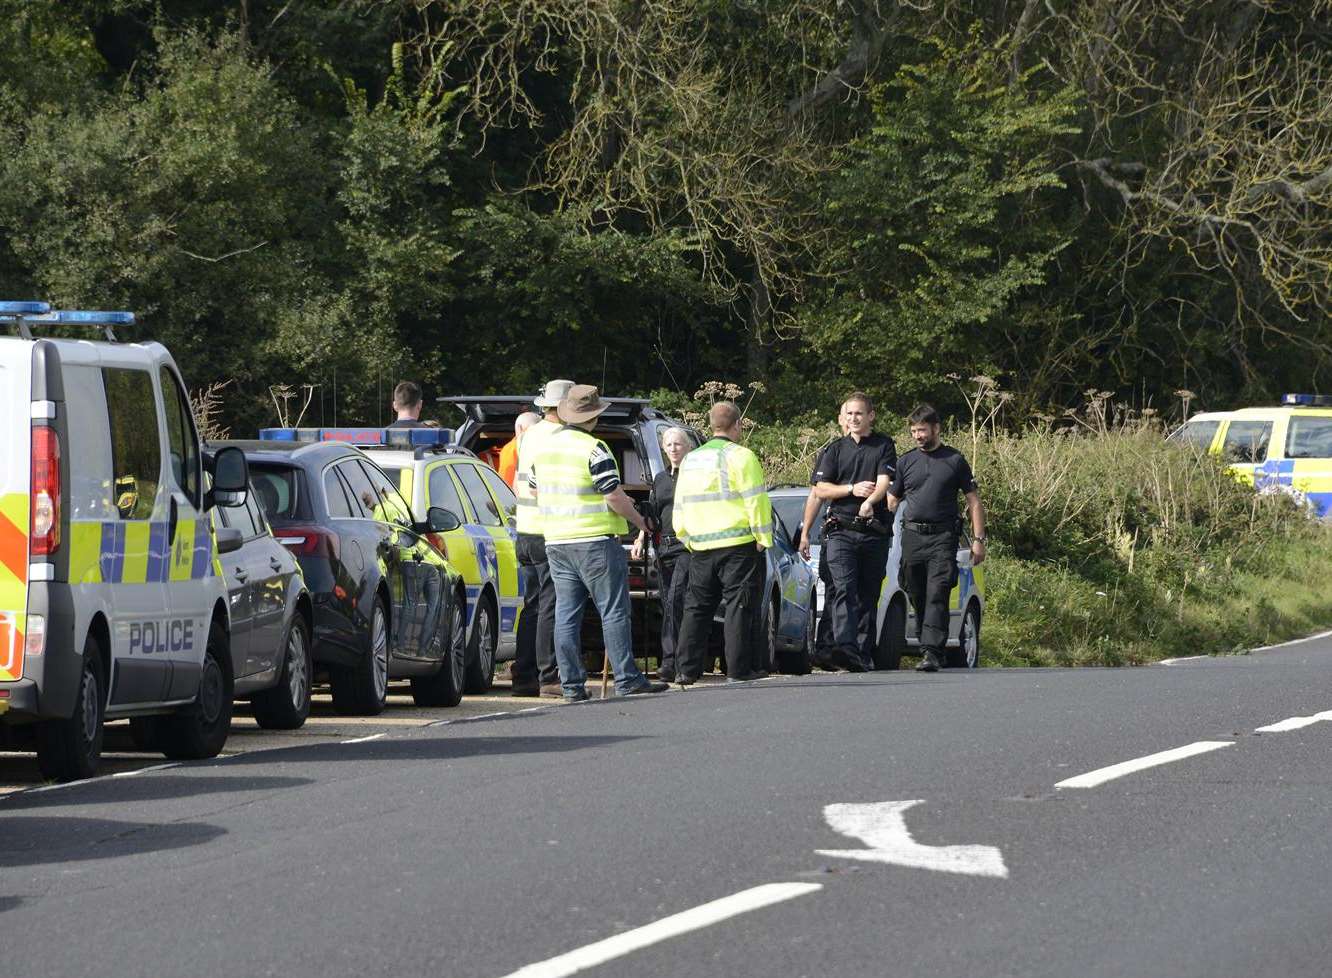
<point x="484" y="847"/>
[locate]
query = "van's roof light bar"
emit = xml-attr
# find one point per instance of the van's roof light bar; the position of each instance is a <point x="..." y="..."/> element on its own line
<point x="24" y="308"/>
<point x="76" y="317"/>
<point x="1307" y="400"/>
<point x="389" y="437"/>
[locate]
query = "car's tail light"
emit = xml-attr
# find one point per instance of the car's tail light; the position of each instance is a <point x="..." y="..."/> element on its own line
<point x="45" y="502"/>
<point x="34" y="639"/>
<point x="308" y="541"/>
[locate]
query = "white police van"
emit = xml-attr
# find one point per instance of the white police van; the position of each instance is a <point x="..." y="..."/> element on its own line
<point x="111" y="603"/>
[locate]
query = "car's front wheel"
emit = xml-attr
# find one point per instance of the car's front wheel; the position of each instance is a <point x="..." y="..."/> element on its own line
<point x="286" y="705"/>
<point x="362" y="689"/>
<point x="796" y="662"/>
<point x="70" y="749"/>
<point x="892" y="640"/>
<point x="481" y="649"/>
<point x="967" y="653"/>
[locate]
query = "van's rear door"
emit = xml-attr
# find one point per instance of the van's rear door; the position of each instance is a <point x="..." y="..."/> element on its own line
<point x="15" y="471"/>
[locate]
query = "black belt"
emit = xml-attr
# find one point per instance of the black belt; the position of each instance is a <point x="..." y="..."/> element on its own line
<point x="953" y="526"/>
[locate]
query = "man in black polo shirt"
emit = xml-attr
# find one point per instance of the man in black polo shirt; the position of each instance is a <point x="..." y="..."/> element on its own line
<point x="930" y="477"/>
<point x="853" y="474"/>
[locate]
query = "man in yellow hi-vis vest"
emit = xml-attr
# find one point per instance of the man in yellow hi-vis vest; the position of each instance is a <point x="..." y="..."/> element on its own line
<point x="534" y="669"/>
<point x="724" y="517"/>
<point x="584" y="512"/>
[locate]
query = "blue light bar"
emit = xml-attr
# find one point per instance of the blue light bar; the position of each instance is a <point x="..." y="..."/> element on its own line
<point x="392" y="437"/>
<point x="1307" y="400"/>
<point x="86" y="317"/>
<point x="23" y="308"/>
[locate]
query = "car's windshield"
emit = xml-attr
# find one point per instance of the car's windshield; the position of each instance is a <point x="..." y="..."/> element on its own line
<point x="789" y="509"/>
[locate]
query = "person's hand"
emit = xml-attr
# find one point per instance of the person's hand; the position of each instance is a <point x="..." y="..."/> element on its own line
<point x="760" y="546"/>
<point x="803" y="546"/>
<point x="866" y="510"/>
<point x="636" y="551"/>
<point x="977" y="553"/>
<point x="862" y="490"/>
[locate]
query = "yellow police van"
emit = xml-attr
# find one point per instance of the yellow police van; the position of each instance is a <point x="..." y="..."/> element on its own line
<point x="111" y="602"/>
<point x="1285" y="449"/>
<point x="432" y="472"/>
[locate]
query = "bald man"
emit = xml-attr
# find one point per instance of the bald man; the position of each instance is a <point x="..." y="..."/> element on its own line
<point x="508" y="460"/>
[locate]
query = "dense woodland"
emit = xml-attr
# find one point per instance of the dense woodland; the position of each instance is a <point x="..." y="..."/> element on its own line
<point x="1129" y="196"/>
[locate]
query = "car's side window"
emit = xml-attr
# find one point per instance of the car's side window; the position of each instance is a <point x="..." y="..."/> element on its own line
<point x="508" y="502"/>
<point x="336" y="494"/>
<point x="487" y="513"/>
<point x="443" y="492"/>
<point x="136" y="446"/>
<point x="1199" y="434"/>
<point x="183" y="443"/>
<point x="256" y="514"/>
<point x="389" y="505"/>
<point x="1246" y="441"/>
<point x="363" y="498"/>
<point x="242" y="518"/>
<point x="1309" y="437"/>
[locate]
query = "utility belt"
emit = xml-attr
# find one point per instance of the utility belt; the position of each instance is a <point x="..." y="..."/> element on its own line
<point x="929" y="529"/>
<point x="860" y="524"/>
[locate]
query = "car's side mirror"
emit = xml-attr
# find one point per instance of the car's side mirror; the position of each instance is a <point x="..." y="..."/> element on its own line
<point x="229" y="539"/>
<point x="440" y="520"/>
<point x="231" y="478"/>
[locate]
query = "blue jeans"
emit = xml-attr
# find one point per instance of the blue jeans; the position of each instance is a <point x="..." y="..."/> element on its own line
<point x="599" y="570"/>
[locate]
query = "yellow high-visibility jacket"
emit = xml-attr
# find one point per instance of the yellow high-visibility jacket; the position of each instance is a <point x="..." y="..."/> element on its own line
<point x="721" y="498"/>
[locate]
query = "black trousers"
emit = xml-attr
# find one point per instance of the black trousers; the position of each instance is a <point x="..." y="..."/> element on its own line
<point x="857" y="563"/>
<point x="929" y="573"/>
<point x="534" y="660"/>
<point x="673" y="576"/>
<point x="733" y="575"/>
<point x="823" y="642"/>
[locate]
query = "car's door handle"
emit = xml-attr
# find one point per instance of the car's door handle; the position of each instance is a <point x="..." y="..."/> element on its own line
<point x="240" y="575"/>
<point x="274" y="563"/>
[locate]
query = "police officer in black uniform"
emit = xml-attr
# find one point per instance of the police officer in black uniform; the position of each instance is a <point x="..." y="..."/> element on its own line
<point x="854" y="474"/>
<point x="929" y="478"/>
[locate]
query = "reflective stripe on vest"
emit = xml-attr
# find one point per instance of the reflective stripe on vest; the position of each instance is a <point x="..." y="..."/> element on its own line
<point x="567" y="499"/>
<point x="529" y="518"/>
<point x="710" y="504"/>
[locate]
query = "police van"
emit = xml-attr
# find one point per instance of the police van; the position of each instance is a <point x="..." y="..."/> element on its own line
<point x="1285" y="448"/>
<point x="111" y="600"/>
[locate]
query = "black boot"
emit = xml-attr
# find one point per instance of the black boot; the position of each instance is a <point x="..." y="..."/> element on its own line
<point x="929" y="662"/>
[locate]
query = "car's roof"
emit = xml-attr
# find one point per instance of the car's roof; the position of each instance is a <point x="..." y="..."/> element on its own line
<point x="286" y="451"/>
<point x="1263" y="413"/>
<point x="788" y="489"/>
<point x="401" y="458"/>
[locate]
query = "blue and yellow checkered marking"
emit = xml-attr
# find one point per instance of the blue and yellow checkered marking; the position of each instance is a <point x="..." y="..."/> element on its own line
<point x="1308" y="479"/>
<point x="117" y="552"/>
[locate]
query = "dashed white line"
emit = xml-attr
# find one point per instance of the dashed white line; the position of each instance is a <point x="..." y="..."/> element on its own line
<point x="1101" y="775"/>
<point x="362" y="740"/>
<point x="1294" y="723"/>
<point x="673" y="926"/>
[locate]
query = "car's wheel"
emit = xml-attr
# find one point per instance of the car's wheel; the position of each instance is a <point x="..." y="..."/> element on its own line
<point x="481" y="649"/>
<point x="70" y="749"/>
<point x="445" y="688"/>
<point x="200" y="729"/>
<point x="892" y="640"/>
<point x="286" y="705"/>
<point x="362" y="689"/>
<point x="967" y="653"/>
<point x="796" y="662"/>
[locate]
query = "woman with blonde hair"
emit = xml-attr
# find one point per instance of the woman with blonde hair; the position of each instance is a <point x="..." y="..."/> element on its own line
<point x="672" y="557"/>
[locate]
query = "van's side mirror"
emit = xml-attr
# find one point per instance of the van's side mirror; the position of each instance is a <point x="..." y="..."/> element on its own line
<point x="229" y="539"/>
<point x="440" y="520"/>
<point x="231" y="478"/>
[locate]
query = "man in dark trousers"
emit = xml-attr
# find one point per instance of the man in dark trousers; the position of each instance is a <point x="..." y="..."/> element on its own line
<point x="929" y="479"/>
<point x="853" y="474"/>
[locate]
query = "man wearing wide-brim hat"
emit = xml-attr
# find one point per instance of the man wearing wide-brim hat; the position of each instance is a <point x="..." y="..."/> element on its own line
<point x="584" y="511"/>
<point x="534" y="670"/>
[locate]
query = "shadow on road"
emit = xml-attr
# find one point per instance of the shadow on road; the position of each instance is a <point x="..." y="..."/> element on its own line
<point x="151" y="787"/>
<point x="424" y="749"/>
<point x="41" y="839"/>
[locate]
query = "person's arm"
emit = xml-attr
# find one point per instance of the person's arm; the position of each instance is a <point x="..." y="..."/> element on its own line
<point x="884" y="469"/>
<point x="896" y="491"/>
<point x="640" y="543"/>
<point x="807" y="518"/>
<point x="758" y="506"/>
<point x="618" y="500"/>
<point x="977" y="513"/>
<point x="606" y="478"/>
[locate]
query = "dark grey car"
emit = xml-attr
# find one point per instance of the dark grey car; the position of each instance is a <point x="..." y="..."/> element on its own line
<point x="270" y="614"/>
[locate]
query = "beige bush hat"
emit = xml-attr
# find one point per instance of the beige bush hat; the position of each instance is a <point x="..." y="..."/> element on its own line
<point x="552" y="393"/>
<point x="582" y="403"/>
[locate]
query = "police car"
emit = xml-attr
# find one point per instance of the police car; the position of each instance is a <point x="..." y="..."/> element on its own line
<point x="111" y="601"/>
<point x="1286" y="449"/>
<point x="897" y="620"/>
<point x="430" y="472"/>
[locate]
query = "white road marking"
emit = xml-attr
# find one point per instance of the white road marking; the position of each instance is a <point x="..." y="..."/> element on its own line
<point x="675" y="925"/>
<point x="143" y="770"/>
<point x="362" y="740"/>
<point x="882" y="827"/>
<point x="533" y="709"/>
<point x="1183" y="658"/>
<point x="1101" y="775"/>
<point x="1294" y="723"/>
<point x="61" y="784"/>
<point x="1296" y="641"/>
<point x="487" y="716"/>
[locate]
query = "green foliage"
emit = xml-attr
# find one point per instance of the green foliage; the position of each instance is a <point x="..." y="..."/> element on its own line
<point x="938" y="222"/>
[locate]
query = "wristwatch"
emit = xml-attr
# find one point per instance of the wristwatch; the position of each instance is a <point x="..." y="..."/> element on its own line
<point x="850" y="488"/>
<point x="979" y="539"/>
